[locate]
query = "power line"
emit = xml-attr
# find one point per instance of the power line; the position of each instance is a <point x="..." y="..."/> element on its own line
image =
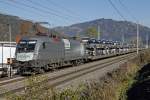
<point x="64" y="8"/>
<point x="116" y="9"/>
<point x="52" y="10"/>
<point x="20" y="7"/>
<point x="137" y="23"/>
<point x="60" y="6"/>
<point x="127" y="10"/>
<point x="43" y="11"/>
<point x="119" y="13"/>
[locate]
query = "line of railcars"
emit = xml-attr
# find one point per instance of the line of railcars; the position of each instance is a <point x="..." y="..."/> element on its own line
<point x="104" y="48"/>
<point x="42" y="53"/>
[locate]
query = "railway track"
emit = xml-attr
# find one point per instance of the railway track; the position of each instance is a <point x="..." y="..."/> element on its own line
<point x="76" y="74"/>
<point x="62" y="76"/>
<point x="16" y="78"/>
<point x="11" y="80"/>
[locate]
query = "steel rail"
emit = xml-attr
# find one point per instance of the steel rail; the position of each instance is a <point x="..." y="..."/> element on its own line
<point x="77" y="73"/>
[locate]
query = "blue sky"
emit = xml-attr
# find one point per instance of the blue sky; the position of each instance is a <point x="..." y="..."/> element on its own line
<point x="67" y="12"/>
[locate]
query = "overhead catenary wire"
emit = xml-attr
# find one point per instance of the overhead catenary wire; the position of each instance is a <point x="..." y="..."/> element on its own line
<point x="137" y="23"/>
<point x="65" y="9"/>
<point x="116" y="9"/>
<point x="60" y="6"/>
<point x="31" y="11"/>
<point x="16" y="6"/>
<point x="41" y="10"/>
<point x="127" y="10"/>
<point x="119" y="13"/>
<point x="52" y="10"/>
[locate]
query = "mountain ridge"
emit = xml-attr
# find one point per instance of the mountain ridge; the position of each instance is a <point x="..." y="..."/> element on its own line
<point x="109" y="28"/>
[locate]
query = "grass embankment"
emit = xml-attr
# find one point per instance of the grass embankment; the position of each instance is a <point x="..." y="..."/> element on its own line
<point x="112" y="86"/>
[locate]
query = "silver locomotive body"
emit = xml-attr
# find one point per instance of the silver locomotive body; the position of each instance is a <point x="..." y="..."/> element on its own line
<point x="42" y="53"/>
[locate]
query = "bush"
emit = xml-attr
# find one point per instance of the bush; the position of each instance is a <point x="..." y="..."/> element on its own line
<point x="113" y="86"/>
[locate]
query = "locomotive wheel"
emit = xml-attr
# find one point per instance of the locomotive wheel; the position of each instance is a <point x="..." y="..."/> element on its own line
<point x="54" y="67"/>
<point x="75" y="63"/>
<point x="38" y="71"/>
<point x="41" y="71"/>
<point x="47" y="68"/>
<point x="81" y="61"/>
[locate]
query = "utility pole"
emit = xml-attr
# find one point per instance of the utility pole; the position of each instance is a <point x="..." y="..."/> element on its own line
<point x="137" y="38"/>
<point x="2" y="55"/>
<point x="123" y="38"/>
<point x="98" y="32"/>
<point x="147" y="40"/>
<point x="9" y="27"/>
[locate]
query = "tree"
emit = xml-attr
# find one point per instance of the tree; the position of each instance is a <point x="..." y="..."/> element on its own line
<point x="91" y="32"/>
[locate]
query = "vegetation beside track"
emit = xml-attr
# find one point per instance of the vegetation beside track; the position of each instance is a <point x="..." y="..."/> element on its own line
<point x="113" y="86"/>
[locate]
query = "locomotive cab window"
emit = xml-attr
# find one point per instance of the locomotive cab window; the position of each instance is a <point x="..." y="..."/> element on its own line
<point x="26" y="46"/>
<point x="31" y="45"/>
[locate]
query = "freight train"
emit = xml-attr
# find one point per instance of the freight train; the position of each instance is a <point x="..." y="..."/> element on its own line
<point x="42" y="53"/>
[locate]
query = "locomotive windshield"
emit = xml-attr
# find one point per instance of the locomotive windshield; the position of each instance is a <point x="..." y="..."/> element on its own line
<point x="26" y="46"/>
